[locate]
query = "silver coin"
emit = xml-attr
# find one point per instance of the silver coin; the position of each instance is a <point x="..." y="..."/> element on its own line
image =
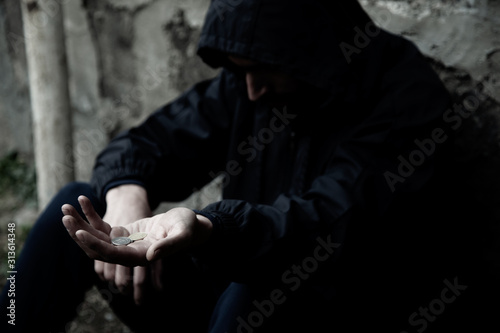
<point x="121" y="241"/>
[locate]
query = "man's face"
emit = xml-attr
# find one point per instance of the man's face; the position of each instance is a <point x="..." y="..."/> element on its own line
<point x="266" y="84"/>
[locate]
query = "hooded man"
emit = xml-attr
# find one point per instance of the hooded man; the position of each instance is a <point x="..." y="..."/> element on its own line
<point x="339" y="210"/>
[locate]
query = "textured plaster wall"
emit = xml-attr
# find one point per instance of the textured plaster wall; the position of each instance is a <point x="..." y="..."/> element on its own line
<point x="15" y="117"/>
<point x="463" y="35"/>
<point x="128" y="58"/>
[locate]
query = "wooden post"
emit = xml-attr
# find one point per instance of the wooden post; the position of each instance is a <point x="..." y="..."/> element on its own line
<point x="48" y="81"/>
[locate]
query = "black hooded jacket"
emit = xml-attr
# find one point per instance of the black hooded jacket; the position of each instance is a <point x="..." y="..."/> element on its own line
<point x="358" y="179"/>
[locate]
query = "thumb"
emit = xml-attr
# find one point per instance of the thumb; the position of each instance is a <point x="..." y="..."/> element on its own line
<point x="165" y="247"/>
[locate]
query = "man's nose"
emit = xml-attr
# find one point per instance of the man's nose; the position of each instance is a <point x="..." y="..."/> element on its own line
<point x="256" y="87"/>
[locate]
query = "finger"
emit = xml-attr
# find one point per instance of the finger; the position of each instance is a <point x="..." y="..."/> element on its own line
<point x="156" y="268"/>
<point x="109" y="272"/>
<point x="140" y="274"/>
<point x="122" y="255"/>
<point x="123" y="279"/>
<point x="173" y="243"/>
<point x="75" y="222"/>
<point x="99" y="269"/>
<point x="70" y="222"/>
<point x="94" y="219"/>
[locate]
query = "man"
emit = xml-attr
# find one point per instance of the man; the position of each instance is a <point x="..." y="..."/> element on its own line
<point x="339" y="210"/>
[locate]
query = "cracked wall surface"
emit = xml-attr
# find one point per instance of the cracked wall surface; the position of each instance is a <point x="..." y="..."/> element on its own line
<point x="464" y="35"/>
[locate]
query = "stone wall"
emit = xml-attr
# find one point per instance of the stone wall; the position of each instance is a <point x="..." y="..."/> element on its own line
<point x="15" y="117"/>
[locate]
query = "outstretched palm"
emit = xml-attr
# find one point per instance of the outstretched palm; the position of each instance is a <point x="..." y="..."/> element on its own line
<point x="176" y="230"/>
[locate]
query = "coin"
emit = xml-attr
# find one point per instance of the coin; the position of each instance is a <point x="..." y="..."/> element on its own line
<point x="121" y="241"/>
<point x="138" y="236"/>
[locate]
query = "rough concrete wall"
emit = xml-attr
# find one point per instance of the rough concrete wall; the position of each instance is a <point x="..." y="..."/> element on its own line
<point x="15" y="111"/>
<point x="462" y="34"/>
<point x="128" y="58"/>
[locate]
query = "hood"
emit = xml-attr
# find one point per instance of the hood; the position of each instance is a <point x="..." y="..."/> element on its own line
<point x="302" y="38"/>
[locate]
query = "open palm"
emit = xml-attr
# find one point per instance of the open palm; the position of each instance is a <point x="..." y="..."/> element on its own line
<point x="167" y="233"/>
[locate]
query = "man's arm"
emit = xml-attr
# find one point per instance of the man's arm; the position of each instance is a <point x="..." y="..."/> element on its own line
<point x="172" y="152"/>
<point x="162" y="159"/>
<point x="131" y="198"/>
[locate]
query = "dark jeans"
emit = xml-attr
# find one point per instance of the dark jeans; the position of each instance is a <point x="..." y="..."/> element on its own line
<point x="53" y="274"/>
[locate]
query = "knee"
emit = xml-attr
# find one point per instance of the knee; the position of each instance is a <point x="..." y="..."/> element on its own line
<point x="50" y="218"/>
<point x="74" y="189"/>
<point x="70" y="192"/>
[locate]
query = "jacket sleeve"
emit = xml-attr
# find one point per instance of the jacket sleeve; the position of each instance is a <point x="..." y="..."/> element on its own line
<point x="363" y="176"/>
<point x="185" y="137"/>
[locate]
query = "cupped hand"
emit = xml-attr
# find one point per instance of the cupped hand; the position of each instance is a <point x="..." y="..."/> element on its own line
<point x="177" y="230"/>
<point x="128" y="203"/>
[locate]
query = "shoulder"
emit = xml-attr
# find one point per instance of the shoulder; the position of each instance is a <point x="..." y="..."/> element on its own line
<point x="400" y="75"/>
